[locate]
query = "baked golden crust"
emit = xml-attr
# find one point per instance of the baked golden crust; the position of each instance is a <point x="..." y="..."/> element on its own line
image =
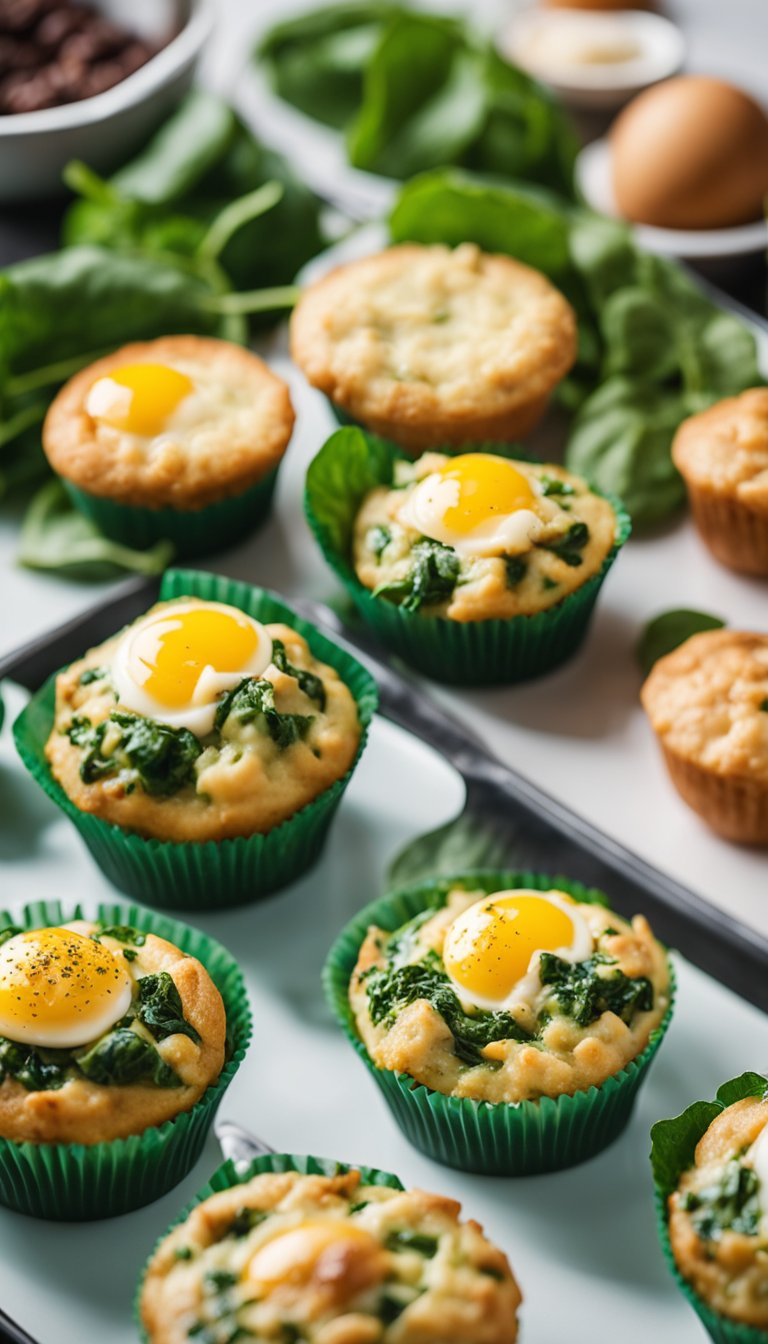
<point x="562" y="1057"/>
<point x="428" y="345"/>
<point x="239" y="433"/>
<point x="730" y="1272"/>
<point x="722" y="455"/>
<point x="335" y="1289"/>
<point x="244" y="785"/>
<point x="483" y="591"/>
<point x="86" y="1112"/>
<point x="708" y="704"/>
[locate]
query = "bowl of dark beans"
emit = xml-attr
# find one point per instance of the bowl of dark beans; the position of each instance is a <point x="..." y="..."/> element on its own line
<point x="88" y="79"/>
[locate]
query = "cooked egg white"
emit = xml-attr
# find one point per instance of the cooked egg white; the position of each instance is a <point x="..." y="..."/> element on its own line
<point x="60" y="989"/>
<point x="492" y="948"/>
<point x="480" y="505"/>
<point x="174" y="665"/>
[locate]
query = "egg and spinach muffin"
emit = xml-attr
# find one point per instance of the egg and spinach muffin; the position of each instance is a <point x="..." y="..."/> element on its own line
<point x="479" y="536"/>
<point x="511" y="995"/>
<point x="328" y="1260"/>
<point x="200" y="723"/>
<point x="104" y="1031"/>
<point x="180" y="422"/>
<point x="433" y="345"/>
<point x="707" y="703"/>
<point x="718" y="1214"/>
<point x="722" y="454"/>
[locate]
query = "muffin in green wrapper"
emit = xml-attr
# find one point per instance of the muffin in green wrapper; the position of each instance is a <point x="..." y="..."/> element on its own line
<point x="178" y="439"/>
<point x="192" y="533"/>
<point x="307" y="1248"/>
<point x="200" y="756"/>
<point x="508" y="1018"/>
<point x="478" y="569"/>
<point x="120" y="1031"/>
<point x="710" y="1170"/>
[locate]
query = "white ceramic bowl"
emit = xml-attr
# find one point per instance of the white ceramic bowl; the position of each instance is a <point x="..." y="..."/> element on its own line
<point x="594" y="182"/>
<point x="103" y="131"/>
<point x="531" y="39"/>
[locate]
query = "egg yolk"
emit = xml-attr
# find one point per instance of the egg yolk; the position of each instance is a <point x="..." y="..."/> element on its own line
<point x="488" y="947"/>
<point x="169" y="653"/>
<point x="487" y="487"/>
<point x="293" y="1258"/>
<point x="61" y="988"/>
<point x="155" y="391"/>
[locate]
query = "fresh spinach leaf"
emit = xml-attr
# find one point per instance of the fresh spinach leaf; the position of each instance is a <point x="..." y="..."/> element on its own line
<point x="122" y="1058"/>
<point x="253" y="700"/>
<point x="668" y="631"/>
<point x="584" y="990"/>
<point x="391" y="989"/>
<point x="160" y="1008"/>
<point x="431" y="579"/>
<point x="309" y="682"/>
<point x="349" y="464"/>
<point x="54" y="536"/>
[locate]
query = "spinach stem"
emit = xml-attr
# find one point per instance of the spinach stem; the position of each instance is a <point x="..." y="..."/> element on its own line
<point x="253" y="300"/>
<point x="83" y="180"/>
<point x="24" y="419"/>
<point x="47" y="374"/>
<point x="236" y="214"/>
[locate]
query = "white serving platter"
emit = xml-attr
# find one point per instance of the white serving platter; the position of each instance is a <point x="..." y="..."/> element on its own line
<point x="582" y="1242"/>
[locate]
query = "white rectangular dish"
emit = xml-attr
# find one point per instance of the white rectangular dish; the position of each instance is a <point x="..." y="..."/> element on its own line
<point x="582" y="1242"/>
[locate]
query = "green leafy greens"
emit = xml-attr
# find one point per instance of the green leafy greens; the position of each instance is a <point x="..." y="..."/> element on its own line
<point x="253" y="701"/>
<point x="390" y="989"/>
<point x="412" y="91"/>
<point x="160" y="758"/>
<point x="584" y="990"/>
<point x="674" y="1141"/>
<point x="729" y="1204"/>
<point x="160" y="1008"/>
<point x="668" y="631"/>
<point x="309" y="682"/>
<point x="430" y="580"/>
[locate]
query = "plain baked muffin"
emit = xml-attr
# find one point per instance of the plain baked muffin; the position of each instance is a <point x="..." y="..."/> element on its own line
<point x="328" y="1260"/>
<point x="181" y="422"/>
<point x="104" y="1032"/>
<point x="717" y="1225"/>
<point x="199" y="723"/>
<point x="430" y="346"/>
<point x="707" y="702"/>
<point x="480" y="537"/>
<point x="722" y="454"/>
<point x="509" y="996"/>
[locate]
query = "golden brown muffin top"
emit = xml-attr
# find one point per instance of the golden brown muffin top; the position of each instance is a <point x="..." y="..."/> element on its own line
<point x="724" y="450"/>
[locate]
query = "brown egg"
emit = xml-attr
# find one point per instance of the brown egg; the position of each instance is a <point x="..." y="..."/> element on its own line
<point x="691" y="153"/>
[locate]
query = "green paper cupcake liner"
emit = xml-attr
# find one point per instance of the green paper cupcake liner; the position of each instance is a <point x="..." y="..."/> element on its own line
<point x="231" y="1174"/>
<point x="206" y="875"/>
<point x="76" y="1182"/>
<point x="490" y="1138"/>
<point x="719" y="1328"/>
<point x="192" y="533"/>
<point x="469" y="653"/>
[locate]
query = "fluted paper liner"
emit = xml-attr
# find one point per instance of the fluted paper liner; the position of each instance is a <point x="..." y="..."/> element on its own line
<point x="206" y="875"/>
<point x="74" y="1181"/>
<point x="492" y="1138"/>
